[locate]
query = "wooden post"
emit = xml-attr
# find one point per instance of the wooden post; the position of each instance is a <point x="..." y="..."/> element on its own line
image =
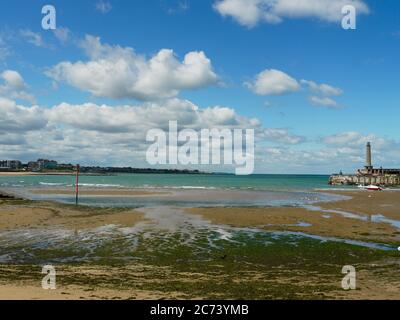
<point x="77" y="185"/>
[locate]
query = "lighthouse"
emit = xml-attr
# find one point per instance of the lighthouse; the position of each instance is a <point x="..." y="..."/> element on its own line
<point x="368" y="175"/>
<point x="368" y="158"/>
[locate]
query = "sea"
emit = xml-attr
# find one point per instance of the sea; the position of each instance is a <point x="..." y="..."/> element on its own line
<point x="183" y="189"/>
<point x="171" y="181"/>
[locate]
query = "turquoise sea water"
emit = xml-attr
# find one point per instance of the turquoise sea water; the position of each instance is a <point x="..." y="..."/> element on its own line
<point x="179" y="181"/>
<point x="187" y="190"/>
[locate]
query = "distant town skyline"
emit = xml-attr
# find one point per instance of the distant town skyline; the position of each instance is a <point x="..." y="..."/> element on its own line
<point x="48" y="166"/>
<point x="89" y="91"/>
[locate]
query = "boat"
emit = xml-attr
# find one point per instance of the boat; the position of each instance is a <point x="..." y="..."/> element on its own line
<point x="372" y="187"/>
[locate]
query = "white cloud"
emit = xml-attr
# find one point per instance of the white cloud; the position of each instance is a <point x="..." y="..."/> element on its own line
<point x="325" y="92"/>
<point x="351" y="145"/>
<point x="281" y="135"/>
<point x="273" y="82"/>
<point x="268" y="104"/>
<point x="343" y="151"/>
<point x="179" y="7"/>
<point x="322" y="89"/>
<point x="118" y="72"/>
<point x="4" y="50"/>
<point x="247" y="13"/>
<point x="33" y="38"/>
<point x="276" y="82"/>
<point x="11" y="139"/>
<point x="103" y="6"/>
<point x="17" y="118"/>
<point x="354" y="139"/>
<point x="115" y="135"/>
<point x="62" y="34"/>
<point x="139" y="119"/>
<point x="322" y="160"/>
<point x="251" y="12"/>
<point x="324" y="102"/>
<point x="13" y="80"/>
<point x="111" y="135"/>
<point x="14" y="86"/>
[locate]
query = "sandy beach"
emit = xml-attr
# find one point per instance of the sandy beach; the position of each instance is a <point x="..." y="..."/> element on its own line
<point x="144" y="282"/>
<point x="166" y="266"/>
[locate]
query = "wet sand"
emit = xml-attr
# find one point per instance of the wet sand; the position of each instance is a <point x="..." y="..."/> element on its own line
<point x="301" y="220"/>
<point x="385" y="202"/>
<point x="44" y="215"/>
<point x="186" y="197"/>
<point x="97" y="192"/>
<point x="363" y="204"/>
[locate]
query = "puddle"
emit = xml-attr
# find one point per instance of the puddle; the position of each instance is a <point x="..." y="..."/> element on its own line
<point x="370" y="245"/>
<point x="371" y="218"/>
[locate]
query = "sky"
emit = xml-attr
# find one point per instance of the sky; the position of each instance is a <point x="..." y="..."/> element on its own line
<point x="89" y="90"/>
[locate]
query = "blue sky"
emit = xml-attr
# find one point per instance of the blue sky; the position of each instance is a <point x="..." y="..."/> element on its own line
<point x="361" y="64"/>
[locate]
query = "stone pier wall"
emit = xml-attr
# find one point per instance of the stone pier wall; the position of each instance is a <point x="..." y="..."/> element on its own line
<point x="385" y="180"/>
